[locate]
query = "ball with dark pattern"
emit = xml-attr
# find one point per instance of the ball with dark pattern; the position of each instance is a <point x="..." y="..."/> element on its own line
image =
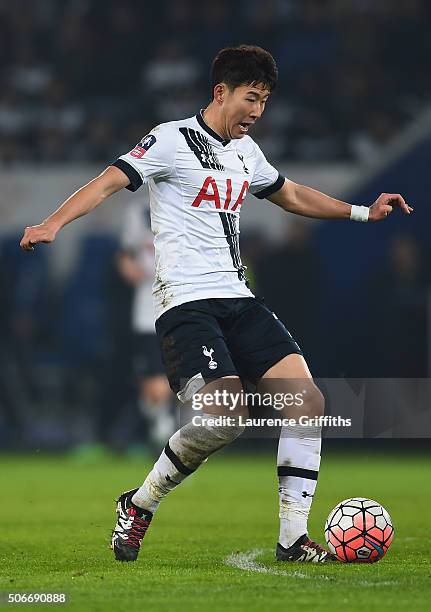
<point x="359" y="530"/>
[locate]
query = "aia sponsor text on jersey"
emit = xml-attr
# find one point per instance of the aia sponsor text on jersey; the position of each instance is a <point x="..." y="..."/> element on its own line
<point x="211" y="193"/>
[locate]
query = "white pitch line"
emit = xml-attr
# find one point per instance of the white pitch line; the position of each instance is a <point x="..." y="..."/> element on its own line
<point x="374" y="583"/>
<point x="247" y="562"/>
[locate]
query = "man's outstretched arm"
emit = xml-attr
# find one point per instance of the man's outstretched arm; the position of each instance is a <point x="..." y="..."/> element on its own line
<point x="77" y="205"/>
<point x="308" y="202"/>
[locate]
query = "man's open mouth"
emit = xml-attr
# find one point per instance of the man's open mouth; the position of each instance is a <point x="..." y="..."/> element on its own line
<point x="244" y="127"/>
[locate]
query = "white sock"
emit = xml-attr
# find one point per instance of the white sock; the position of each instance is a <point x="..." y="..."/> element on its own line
<point x="185" y="451"/>
<point x="162" y="479"/>
<point x="298" y="463"/>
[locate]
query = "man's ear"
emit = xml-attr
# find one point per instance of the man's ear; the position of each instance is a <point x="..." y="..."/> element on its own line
<point x="219" y="92"/>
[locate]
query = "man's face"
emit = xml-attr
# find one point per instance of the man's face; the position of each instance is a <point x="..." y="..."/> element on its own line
<point x="242" y="107"/>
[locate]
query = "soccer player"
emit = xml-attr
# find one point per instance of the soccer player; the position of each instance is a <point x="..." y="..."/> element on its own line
<point x="136" y="263"/>
<point x="212" y="330"/>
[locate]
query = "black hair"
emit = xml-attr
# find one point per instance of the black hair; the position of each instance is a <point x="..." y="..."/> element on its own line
<point x="244" y="65"/>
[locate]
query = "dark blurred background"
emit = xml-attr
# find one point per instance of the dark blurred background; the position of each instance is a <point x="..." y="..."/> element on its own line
<point x="81" y="81"/>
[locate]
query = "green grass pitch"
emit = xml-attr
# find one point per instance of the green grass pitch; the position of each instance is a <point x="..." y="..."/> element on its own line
<point x="56" y="517"/>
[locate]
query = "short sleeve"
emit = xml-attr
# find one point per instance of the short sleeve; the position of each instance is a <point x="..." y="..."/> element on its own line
<point x="266" y="179"/>
<point x="152" y="158"/>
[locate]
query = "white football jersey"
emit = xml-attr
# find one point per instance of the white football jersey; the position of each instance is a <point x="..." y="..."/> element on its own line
<point x="197" y="183"/>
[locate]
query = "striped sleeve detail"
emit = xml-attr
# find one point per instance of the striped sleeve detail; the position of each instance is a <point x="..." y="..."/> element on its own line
<point x="132" y="174"/>
<point x="264" y="193"/>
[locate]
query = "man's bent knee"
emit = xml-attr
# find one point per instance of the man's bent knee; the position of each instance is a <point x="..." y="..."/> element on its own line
<point x="226" y="428"/>
<point x="314" y="405"/>
<point x="309" y="402"/>
<point x="204" y="435"/>
<point x="223" y="397"/>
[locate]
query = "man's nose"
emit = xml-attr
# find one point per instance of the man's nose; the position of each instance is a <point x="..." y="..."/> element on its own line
<point x="256" y="111"/>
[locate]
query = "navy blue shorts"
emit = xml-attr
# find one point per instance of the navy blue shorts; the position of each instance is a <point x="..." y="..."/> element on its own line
<point x="206" y="339"/>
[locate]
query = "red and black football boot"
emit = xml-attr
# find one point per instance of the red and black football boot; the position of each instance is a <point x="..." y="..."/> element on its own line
<point x="304" y="550"/>
<point x="132" y="525"/>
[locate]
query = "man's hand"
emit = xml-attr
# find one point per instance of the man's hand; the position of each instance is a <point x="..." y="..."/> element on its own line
<point x="43" y="232"/>
<point x="77" y="205"/>
<point x="384" y="204"/>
